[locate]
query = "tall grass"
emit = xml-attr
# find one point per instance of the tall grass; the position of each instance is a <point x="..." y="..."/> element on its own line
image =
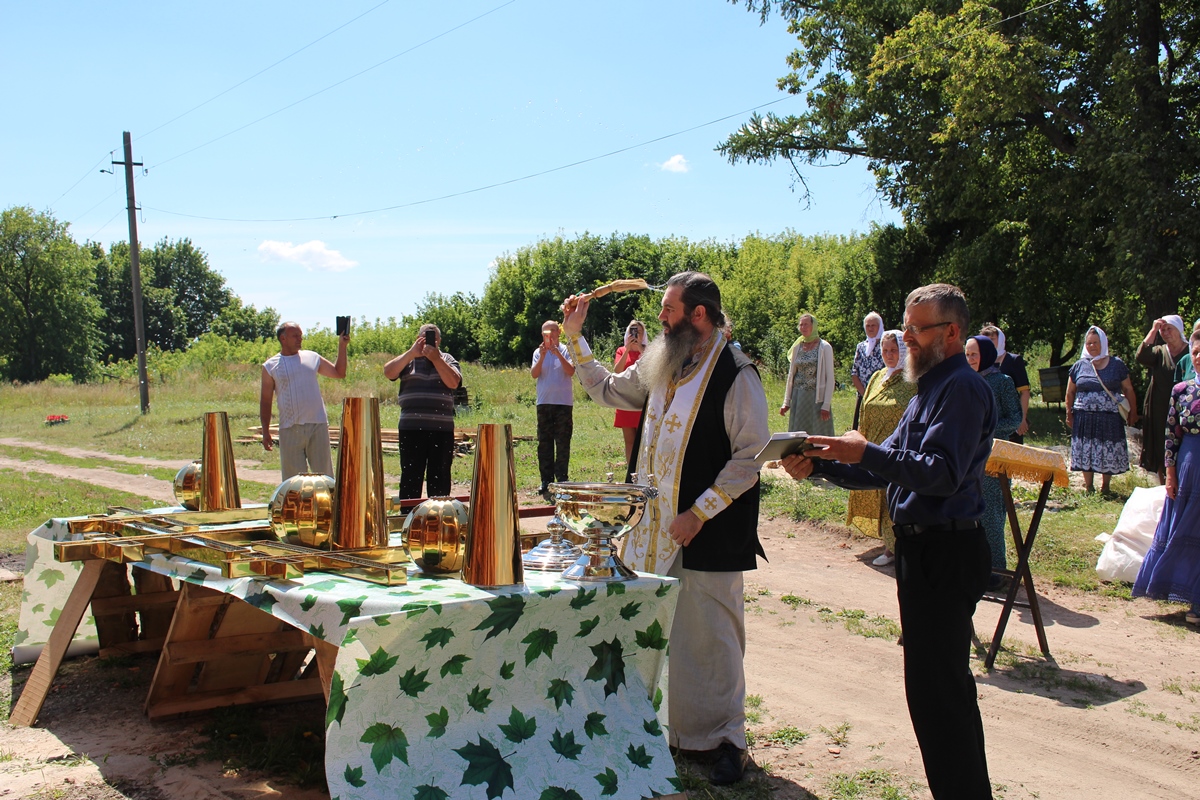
<point x="105" y="416"/>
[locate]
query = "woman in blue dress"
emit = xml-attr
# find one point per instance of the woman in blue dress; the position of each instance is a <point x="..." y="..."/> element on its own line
<point x="1093" y="393"/>
<point x="1171" y="570"/>
<point x="981" y="355"/>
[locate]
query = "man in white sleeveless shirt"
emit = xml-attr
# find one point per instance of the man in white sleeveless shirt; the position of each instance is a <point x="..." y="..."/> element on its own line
<point x="303" y="424"/>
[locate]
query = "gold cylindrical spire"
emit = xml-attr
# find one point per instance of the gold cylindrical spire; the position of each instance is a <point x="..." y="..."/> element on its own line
<point x="359" y="518"/>
<point x="218" y="474"/>
<point x="493" y="556"/>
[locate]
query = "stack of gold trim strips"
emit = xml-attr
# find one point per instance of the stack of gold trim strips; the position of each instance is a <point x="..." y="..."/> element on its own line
<point x="239" y="541"/>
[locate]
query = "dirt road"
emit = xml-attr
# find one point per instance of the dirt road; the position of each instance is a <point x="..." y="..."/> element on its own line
<point x="1115" y="714"/>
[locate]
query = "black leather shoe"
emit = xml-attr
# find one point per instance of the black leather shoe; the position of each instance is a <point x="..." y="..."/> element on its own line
<point x="730" y="766"/>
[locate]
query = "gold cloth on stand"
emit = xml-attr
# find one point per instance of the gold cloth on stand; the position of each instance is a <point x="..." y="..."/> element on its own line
<point x="1031" y="463"/>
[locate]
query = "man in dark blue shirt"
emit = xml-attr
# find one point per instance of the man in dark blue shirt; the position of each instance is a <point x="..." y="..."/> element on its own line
<point x="932" y="467"/>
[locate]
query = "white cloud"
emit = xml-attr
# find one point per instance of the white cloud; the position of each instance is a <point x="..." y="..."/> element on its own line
<point x="312" y="255"/>
<point x="676" y="163"/>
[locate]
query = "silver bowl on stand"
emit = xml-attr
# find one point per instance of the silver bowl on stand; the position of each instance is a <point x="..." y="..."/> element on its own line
<point x="554" y="554"/>
<point x="601" y="512"/>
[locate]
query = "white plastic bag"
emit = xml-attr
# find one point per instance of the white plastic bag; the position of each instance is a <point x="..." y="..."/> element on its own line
<point x="1125" y="549"/>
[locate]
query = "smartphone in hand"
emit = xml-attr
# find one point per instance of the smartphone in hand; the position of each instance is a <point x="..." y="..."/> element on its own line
<point x="343" y="326"/>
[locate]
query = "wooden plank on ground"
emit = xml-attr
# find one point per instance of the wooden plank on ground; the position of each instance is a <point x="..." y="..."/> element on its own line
<point x="282" y="692"/>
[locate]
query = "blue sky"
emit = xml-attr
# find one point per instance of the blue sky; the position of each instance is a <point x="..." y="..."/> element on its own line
<point x="472" y="94"/>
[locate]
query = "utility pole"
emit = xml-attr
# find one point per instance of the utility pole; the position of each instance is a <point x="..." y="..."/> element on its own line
<point x="135" y="270"/>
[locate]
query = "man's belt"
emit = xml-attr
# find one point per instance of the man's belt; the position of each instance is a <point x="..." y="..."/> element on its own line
<point x="952" y="526"/>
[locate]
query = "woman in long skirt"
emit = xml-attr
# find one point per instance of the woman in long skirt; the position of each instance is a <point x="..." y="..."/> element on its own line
<point x="808" y="393"/>
<point x="1171" y="570"/>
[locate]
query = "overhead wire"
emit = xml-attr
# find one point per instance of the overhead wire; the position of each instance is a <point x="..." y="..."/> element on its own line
<point x="261" y="71"/>
<point x="488" y="186"/>
<point x="573" y="163"/>
<point x="91" y="170"/>
<point x="198" y="106"/>
<point x="517" y="179"/>
<point x="333" y="85"/>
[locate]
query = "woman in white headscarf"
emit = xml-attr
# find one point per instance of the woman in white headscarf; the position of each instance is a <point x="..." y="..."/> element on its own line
<point x="867" y="357"/>
<point x="1160" y="352"/>
<point x="886" y="396"/>
<point x="1094" y="391"/>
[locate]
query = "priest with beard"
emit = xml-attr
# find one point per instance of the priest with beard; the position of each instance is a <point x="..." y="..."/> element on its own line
<point x="932" y="467"/>
<point x="704" y="419"/>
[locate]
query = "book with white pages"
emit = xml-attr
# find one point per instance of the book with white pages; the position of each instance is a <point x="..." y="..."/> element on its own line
<point x="783" y="444"/>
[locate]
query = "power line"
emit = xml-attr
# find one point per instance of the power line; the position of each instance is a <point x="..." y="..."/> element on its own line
<point x="92" y="238"/>
<point x="488" y="186"/>
<point x="261" y="71"/>
<point x="90" y="171"/>
<point x="93" y="208"/>
<point x="335" y="85"/>
<point x="542" y="172"/>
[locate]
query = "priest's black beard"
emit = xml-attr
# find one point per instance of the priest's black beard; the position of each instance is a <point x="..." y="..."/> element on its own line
<point x="918" y="363"/>
<point x="666" y="355"/>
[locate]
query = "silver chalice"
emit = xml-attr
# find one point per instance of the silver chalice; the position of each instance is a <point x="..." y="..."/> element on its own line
<point x="600" y="512"/>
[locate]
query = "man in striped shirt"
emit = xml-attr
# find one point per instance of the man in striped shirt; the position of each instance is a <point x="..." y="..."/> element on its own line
<point x="428" y="378"/>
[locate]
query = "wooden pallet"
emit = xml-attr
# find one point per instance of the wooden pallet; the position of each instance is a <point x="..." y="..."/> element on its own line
<point x="222" y="651"/>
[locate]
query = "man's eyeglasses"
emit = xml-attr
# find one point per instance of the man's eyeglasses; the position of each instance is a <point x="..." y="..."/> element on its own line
<point x="917" y="330"/>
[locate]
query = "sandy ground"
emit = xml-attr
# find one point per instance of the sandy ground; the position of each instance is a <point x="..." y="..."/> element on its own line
<point x="1114" y="714"/>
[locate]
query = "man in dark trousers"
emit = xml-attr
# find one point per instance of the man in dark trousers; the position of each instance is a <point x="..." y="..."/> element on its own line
<point x="932" y="467"/>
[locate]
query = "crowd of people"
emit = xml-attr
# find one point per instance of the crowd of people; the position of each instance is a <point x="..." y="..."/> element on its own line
<point x="930" y="401"/>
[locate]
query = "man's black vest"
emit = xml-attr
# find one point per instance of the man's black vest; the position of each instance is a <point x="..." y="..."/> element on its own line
<point x="729" y="541"/>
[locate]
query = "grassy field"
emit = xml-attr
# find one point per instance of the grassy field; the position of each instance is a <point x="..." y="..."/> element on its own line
<point x="105" y="417"/>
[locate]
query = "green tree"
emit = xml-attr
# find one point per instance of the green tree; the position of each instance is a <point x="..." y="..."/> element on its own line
<point x="45" y="299"/>
<point x="182" y="299"/>
<point x="195" y="288"/>
<point x="528" y="287"/>
<point x="238" y="321"/>
<point x="457" y="317"/>
<point x="1044" y="157"/>
<point x="164" y="323"/>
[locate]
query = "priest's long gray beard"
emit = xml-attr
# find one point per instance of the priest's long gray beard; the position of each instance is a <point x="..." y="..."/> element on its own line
<point x="666" y="355"/>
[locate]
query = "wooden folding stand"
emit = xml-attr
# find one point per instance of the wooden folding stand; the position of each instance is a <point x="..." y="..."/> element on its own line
<point x="216" y="650"/>
<point x="1048" y="467"/>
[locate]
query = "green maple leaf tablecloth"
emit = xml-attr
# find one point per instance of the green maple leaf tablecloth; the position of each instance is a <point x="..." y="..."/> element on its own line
<point x="445" y="690"/>
<point x="46" y="588"/>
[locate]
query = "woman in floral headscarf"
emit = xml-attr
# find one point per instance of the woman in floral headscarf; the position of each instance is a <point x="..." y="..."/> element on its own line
<point x="1171" y="569"/>
<point x="886" y="396"/>
<point x="1093" y="393"/>
<point x="808" y="393"/>
<point x="867" y="358"/>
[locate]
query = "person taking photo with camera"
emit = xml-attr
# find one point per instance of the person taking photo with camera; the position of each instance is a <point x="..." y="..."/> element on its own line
<point x="428" y="378"/>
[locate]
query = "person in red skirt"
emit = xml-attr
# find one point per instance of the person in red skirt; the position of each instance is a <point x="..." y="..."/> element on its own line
<point x="628" y="354"/>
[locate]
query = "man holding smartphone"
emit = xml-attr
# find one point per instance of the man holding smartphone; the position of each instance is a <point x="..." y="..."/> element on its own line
<point x="303" y="424"/>
<point x="428" y="378"/>
<point x="553" y="370"/>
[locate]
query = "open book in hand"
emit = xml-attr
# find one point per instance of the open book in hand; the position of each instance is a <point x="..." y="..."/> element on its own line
<point x="784" y="444"/>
